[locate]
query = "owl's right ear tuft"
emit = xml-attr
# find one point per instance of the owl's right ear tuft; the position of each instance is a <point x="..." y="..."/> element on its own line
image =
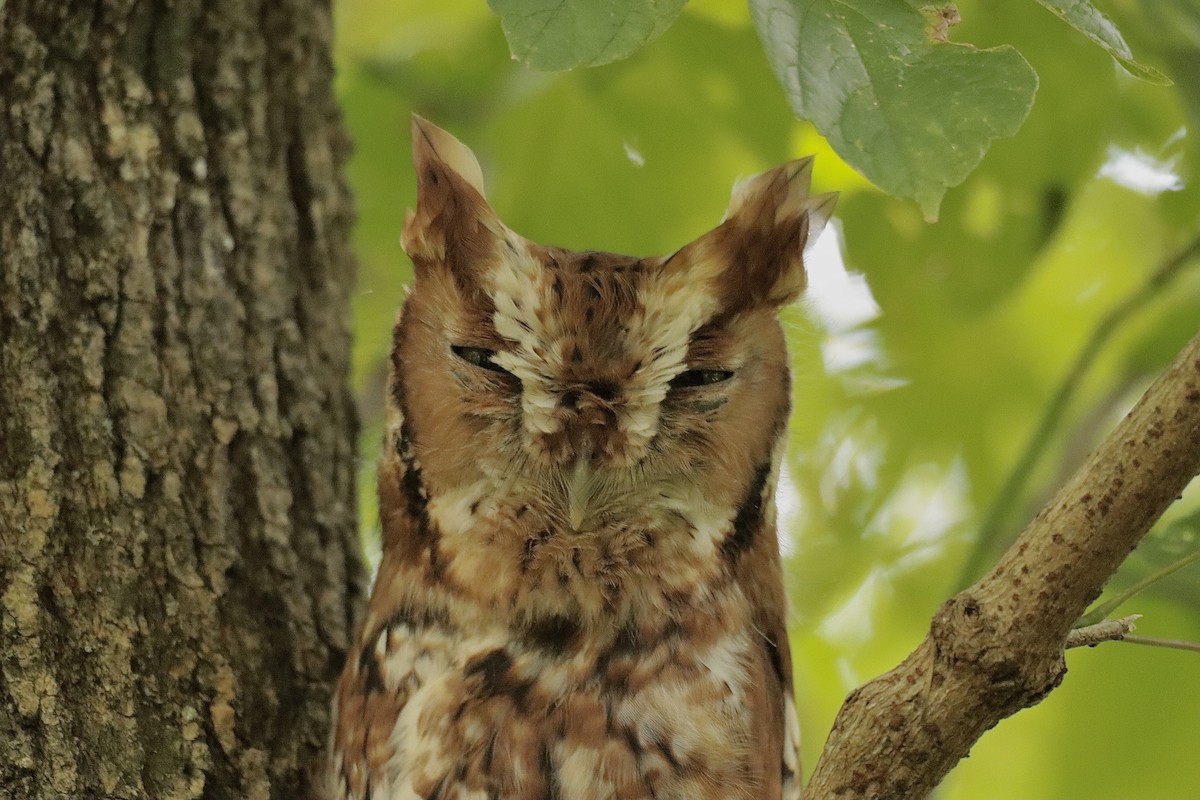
<point x="453" y="223"/>
<point x="755" y="257"/>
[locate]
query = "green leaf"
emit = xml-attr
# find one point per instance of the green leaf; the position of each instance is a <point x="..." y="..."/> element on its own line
<point x="564" y="34"/>
<point x="1085" y="18"/>
<point x="914" y="116"/>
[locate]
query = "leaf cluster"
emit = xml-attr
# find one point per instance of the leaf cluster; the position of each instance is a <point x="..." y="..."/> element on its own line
<point x="880" y="79"/>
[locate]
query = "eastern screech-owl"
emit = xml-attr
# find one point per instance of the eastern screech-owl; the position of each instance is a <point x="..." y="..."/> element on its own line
<point x="580" y="595"/>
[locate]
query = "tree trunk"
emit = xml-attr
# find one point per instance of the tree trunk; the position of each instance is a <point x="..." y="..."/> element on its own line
<point x="178" y="557"/>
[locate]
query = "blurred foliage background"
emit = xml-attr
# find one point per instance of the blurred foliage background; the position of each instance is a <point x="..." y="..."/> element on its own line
<point x="948" y="376"/>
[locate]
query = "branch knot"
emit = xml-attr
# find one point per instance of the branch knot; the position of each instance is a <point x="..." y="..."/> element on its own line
<point x="974" y="641"/>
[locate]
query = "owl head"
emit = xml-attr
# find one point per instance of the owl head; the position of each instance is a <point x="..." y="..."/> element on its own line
<point x="560" y="407"/>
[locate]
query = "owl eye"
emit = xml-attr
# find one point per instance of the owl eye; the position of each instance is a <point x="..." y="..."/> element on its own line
<point x="700" y="377"/>
<point x="478" y="357"/>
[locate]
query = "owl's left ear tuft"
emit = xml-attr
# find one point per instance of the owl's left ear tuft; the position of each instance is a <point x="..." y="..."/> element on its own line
<point x="453" y="224"/>
<point x="436" y="151"/>
<point x="756" y="256"/>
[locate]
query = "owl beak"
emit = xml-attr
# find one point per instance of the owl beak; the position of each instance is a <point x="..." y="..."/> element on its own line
<point x="579" y="490"/>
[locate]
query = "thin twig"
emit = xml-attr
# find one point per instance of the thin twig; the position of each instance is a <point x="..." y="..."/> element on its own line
<point x="1039" y="441"/>
<point x="1108" y="606"/>
<point x="1174" y="644"/>
<point x="1109" y="630"/>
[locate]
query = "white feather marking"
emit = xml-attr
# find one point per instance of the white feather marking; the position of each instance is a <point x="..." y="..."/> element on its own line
<point x="517" y="286"/>
<point x="725" y="661"/>
<point x="709" y="521"/>
<point x="414" y="738"/>
<point x="581" y="769"/>
<point x="791" y="747"/>
<point x="450" y="509"/>
<point x="672" y="309"/>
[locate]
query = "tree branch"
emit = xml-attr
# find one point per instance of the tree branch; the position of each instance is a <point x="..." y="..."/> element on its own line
<point x="1110" y="630"/>
<point x="997" y="647"/>
<point x="1174" y="644"/>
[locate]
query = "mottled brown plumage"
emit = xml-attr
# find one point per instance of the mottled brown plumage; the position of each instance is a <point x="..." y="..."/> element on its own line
<point x="580" y="595"/>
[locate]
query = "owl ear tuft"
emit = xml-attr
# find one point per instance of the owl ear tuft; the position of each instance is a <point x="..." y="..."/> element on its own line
<point x="440" y="150"/>
<point x="453" y="223"/>
<point x="756" y="256"/>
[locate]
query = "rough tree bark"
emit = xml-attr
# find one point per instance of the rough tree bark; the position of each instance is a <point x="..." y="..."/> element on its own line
<point x="177" y="539"/>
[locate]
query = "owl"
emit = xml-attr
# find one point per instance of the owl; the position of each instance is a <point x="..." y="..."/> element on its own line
<point x="580" y="594"/>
